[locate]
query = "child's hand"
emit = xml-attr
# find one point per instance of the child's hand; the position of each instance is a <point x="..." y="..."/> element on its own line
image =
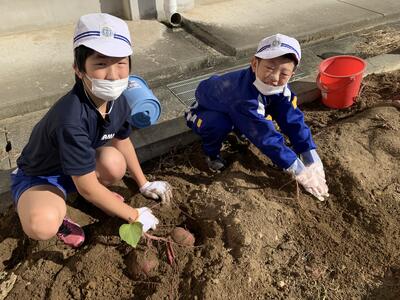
<point x="314" y="181"/>
<point x="311" y="157"/>
<point x="157" y="190"/>
<point x="146" y="217"/>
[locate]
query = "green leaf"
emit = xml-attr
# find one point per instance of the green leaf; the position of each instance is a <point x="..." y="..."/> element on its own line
<point x="131" y="233"/>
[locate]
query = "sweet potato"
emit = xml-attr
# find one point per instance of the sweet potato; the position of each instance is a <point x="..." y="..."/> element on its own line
<point x="182" y="236"/>
<point x="142" y="264"/>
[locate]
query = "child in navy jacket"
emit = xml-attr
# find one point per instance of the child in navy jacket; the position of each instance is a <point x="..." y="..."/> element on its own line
<point x="67" y="149"/>
<point x="247" y="101"/>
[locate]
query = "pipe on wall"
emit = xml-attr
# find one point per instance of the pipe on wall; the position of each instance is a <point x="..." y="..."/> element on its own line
<point x="167" y="12"/>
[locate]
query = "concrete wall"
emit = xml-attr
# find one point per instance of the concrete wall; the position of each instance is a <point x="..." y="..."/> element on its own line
<point x="146" y="9"/>
<point x="203" y="2"/>
<point x="114" y="7"/>
<point x="27" y="15"/>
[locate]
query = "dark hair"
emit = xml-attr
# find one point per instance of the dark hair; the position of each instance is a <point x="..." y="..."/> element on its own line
<point x="81" y="54"/>
<point x="289" y="56"/>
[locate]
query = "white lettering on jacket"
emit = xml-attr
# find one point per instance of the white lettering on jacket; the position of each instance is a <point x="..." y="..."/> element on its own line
<point x="107" y="136"/>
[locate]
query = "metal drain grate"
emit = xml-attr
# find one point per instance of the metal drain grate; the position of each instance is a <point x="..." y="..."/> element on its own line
<point x="184" y="90"/>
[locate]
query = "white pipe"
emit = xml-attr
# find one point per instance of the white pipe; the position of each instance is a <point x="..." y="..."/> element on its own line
<point x="167" y="12"/>
<point x="170" y="6"/>
<point x="133" y="9"/>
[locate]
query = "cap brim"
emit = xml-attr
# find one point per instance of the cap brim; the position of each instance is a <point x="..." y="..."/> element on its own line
<point x="109" y="47"/>
<point x="268" y="54"/>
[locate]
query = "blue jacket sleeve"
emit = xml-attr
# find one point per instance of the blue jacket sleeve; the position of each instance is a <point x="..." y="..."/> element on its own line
<point x="261" y="132"/>
<point x="214" y="93"/>
<point x="290" y="119"/>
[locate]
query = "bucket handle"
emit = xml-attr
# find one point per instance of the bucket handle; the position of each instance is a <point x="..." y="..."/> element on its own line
<point x="320" y="85"/>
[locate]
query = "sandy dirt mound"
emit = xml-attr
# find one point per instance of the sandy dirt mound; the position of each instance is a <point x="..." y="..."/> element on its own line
<point x="258" y="236"/>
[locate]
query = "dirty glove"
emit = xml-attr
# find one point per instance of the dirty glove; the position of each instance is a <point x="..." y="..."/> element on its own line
<point x="157" y="190"/>
<point x="313" y="182"/>
<point x="296" y="168"/>
<point x="146" y="217"/>
<point x="311" y="157"/>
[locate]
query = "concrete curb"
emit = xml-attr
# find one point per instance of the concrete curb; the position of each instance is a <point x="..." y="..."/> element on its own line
<point x="159" y="139"/>
<point x="206" y="37"/>
<point x="28" y="106"/>
<point x="195" y="29"/>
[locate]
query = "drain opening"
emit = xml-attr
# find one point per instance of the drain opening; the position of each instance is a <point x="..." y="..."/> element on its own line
<point x="185" y="90"/>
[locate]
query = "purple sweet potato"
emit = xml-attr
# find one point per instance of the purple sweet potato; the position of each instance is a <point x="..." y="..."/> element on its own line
<point x="142" y="264"/>
<point x="182" y="236"/>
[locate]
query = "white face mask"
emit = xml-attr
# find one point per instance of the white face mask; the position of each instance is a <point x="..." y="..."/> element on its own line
<point x="108" y="90"/>
<point x="267" y="89"/>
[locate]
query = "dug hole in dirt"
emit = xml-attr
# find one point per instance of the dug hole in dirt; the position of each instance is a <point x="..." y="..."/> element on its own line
<point x="257" y="235"/>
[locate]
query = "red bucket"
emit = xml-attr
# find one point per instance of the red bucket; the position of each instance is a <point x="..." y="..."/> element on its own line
<point x="339" y="80"/>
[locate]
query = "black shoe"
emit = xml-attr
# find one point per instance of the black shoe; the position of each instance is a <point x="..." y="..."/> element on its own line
<point x="238" y="141"/>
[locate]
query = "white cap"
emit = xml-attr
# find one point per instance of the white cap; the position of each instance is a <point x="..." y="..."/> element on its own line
<point x="278" y="45"/>
<point x="103" y="33"/>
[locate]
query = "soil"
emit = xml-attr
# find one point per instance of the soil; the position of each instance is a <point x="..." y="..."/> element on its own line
<point x="258" y="235"/>
<point x="384" y="39"/>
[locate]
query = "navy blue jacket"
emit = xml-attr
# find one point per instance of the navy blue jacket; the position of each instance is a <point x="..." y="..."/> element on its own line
<point x="253" y="114"/>
<point x="65" y="139"/>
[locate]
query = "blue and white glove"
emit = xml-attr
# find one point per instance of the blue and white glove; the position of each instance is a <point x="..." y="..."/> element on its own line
<point x="311" y="157"/>
<point x="310" y="175"/>
<point x="296" y="168"/>
<point x="157" y="190"/>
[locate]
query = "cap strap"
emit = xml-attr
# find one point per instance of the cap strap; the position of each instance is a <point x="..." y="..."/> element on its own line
<point x="291" y="48"/>
<point x="122" y="38"/>
<point x="97" y="33"/>
<point x="263" y="48"/>
<point x="86" y="34"/>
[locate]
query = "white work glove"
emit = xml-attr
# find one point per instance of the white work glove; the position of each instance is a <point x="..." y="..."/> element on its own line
<point x="157" y="190"/>
<point x="319" y="168"/>
<point x="146" y="217"/>
<point x="311" y="157"/>
<point x="313" y="181"/>
<point x="296" y="168"/>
